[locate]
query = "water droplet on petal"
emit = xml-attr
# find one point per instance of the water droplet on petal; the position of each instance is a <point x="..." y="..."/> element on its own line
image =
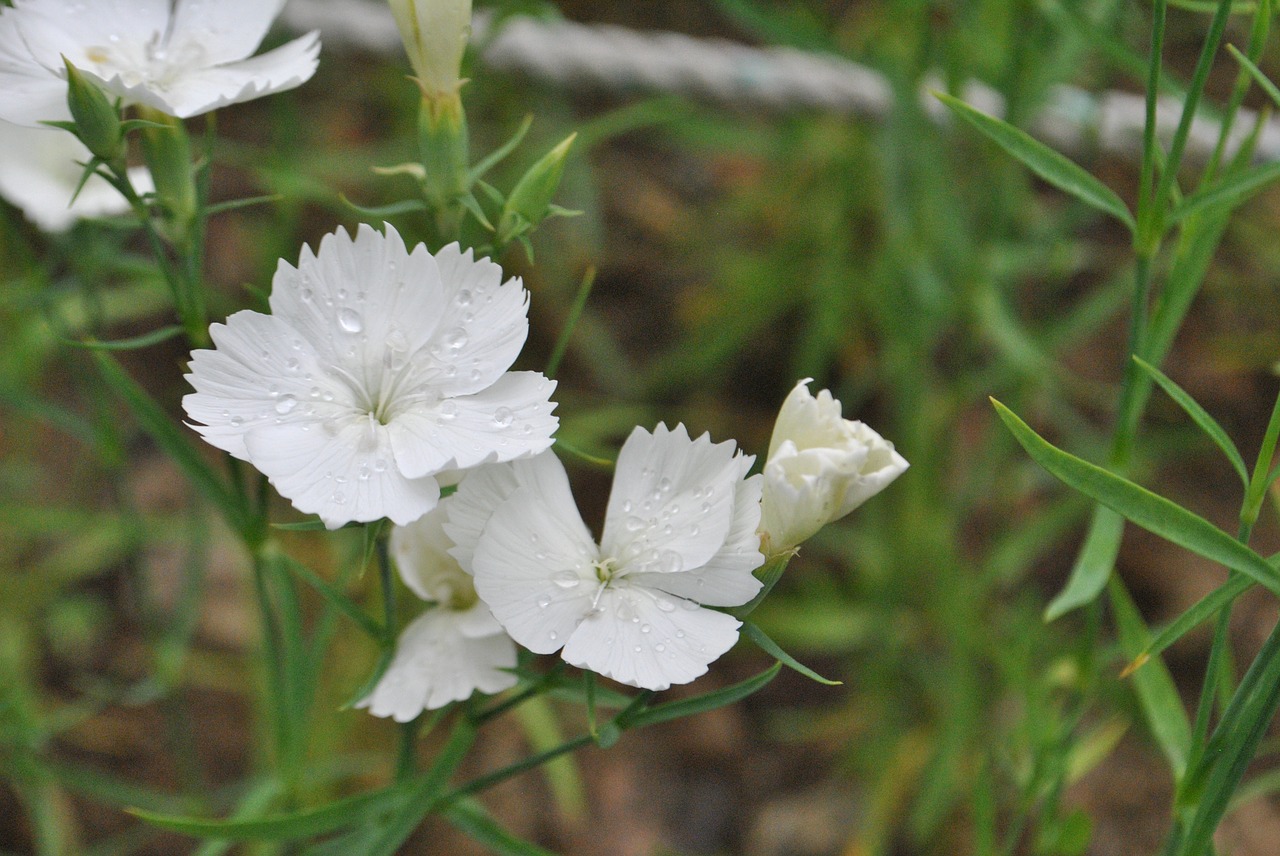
<point x="236" y="421"/>
<point x="286" y="404"/>
<point x="292" y="364"/>
<point x="567" y="579"/>
<point x="543" y="601"/>
<point x="350" y="320"/>
<point x="670" y="562"/>
<point x="397" y="340"/>
<point x="636" y="649"/>
<point x="456" y="339"/>
<point x="364" y="472"/>
<point x="633" y="524"/>
<point x="448" y="409"/>
<point x="464" y="298"/>
<point x="502" y="417"/>
<point x="380" y="465"/>
<point x="679" y="634"/>
<point x="339" y="497"/>
<point x="664" y="484"/>
<point x="645" y="628"/>
<point x="553" y="636"/>
<point x="626" y="507"/>
<point x="659" y="647"/>
<point x="666" y="605"/>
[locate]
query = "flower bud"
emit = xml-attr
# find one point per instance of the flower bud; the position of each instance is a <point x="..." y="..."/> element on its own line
<point x="97" y="121"/>
<point x="435" y="34"/>
<point x="820" y="467"/>
<point x="530" y="200"/>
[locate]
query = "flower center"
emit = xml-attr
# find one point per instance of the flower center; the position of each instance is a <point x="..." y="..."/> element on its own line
<point x="156" y="62"/>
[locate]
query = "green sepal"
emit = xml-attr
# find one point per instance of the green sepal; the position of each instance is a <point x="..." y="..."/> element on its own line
<point x="97" y="120"/>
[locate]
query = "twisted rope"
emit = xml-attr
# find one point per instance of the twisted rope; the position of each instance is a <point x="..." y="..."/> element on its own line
<point x="603" y="57"/>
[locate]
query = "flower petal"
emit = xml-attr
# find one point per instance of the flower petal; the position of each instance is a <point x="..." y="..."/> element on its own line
<point x="200" y="89"/>
<point x="340" y="470"/>
<point x="484" y="488"/>
<point x="672" y="497"/>
<point x="725" y="580"/>
<point x="75" y="29"/>
<point x="262" y="371"/>
<point x="644" y="639"/>
<point x="510" y="419"/>
<point x="32" y="93"/>
<point x="421" y="553"/>
<point x="484" y="323"/>
<point x="357" y="300"/>
<point x="534" y="567"/>
<point x="435" y="664"/>
<point x="229" y="30"/>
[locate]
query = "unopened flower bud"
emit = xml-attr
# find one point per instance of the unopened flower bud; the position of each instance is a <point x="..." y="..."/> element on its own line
<point x="97" y="120"/>
<point x="820" y="467"/>
<point x="530" y="200"/>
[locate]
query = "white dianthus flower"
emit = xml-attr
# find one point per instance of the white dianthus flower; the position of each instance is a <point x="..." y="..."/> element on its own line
<point x="679" y="536"/>
<point x="452" y="649"/>
<point x="377" y="370"/>
<point x="183" y="58"/>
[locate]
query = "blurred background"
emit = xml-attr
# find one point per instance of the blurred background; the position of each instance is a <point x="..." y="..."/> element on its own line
<point x="743" y="241"/>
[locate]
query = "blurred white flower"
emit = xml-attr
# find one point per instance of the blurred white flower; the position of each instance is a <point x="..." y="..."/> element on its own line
<point x="679" y="535"/>
<point x="435" y="34"/>
<point x="820" y="467"/>
<point x="378" y="369"/>
<point x="184" y="57"/>
<point x="455" y="647"/>
<point x="40" y="170"/>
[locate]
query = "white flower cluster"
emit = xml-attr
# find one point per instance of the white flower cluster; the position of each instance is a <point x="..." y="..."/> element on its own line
<point x="382" y="370"/>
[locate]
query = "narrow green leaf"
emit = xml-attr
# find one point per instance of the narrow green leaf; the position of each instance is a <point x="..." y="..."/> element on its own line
<point x="1157" y="694"/>
<point x="700" y="704"/>
<point x="1234" y="743"/>
<point x="1148" y="510"/>
<point x="1198" y="415"/>
<point x="570" y="323"/>
<point x="165" y="431"/>
<point x="343" y="603"/>
<point x="294" y="825"/>
<point x="407" y="206"/>
<point x="469" y="816"/>
<point x="1273" y="92"/>
<point x="1229" y="192"/>
<point x="499" y="154"/>
<point x="758" y="636"/>
<point x="1201" y="611"/>
<point x="1093" y="566"/>
<point x="1043" y="161"/>
<point x="237" y="204"/>
<point x="134" y="343"/>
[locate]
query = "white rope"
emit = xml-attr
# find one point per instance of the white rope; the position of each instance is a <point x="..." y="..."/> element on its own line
<point x="596" y="56"/>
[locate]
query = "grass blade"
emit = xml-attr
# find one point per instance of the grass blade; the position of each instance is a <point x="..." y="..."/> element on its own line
<point x="758" y="636"/>
<point x="700" y="704"/>
<point x="1198" y="415"/>
<point x="1093" y="566"/>
<point x="1043" y="161"/>
<point x="1148" y="510"/>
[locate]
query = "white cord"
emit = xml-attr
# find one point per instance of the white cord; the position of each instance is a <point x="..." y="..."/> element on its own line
<point x="595" y="56"/>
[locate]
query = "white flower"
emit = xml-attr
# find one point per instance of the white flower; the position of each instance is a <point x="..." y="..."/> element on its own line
<point x="183" y="58"/>
<point x="820" y="468"/>
<point x="455" y="647"/>
<point x="679" y="534"/>
<point x="378" y="369"/>
<point x="435" y="34"/>
<point x="39" y="173"/>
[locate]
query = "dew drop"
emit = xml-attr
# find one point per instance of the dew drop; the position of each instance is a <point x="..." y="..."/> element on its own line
<point x="448" y="409"/>
<point x="633" y="524"/>
<point x="666" y="605"/>
<point x="380" y="466"/>
<point x="350" y="320"/>
<point x="706" y="508"/>
<point x="315" y="392"/>
<point x="670" y="562"/>
<point x="502" y="417"/>
<point x="544" y="602"/>
<point x="626" y="507"/>
<point x="339" y="497"/>
<point x="364" y="472"/>
<point x="659" y="647"/>
<point x="694" y="530"/>
<point x="397" y="340"/>
<point x="464" y="298"/>
<point x="567" y="580"/>
<point x="679" y="634"/>
<point x="456" y="339"/>
<point x="645" y="628"/>
<point x="236" y="421"/>
<point x="664" y="484"/>
<point x="305" y="294"/>
<point x="553" y="636"/>
<point x="292" y="364"/>
<point x="474" y="376"/>
<point x="636" y="649"/>
<point x="342" y="294"/>
<point x="286" y="404"/>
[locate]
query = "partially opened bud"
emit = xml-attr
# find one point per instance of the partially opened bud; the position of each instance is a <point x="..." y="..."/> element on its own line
<point x="821" y="466"/>
<point x="530" y="200"/>
<point x="435" y="34"/>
